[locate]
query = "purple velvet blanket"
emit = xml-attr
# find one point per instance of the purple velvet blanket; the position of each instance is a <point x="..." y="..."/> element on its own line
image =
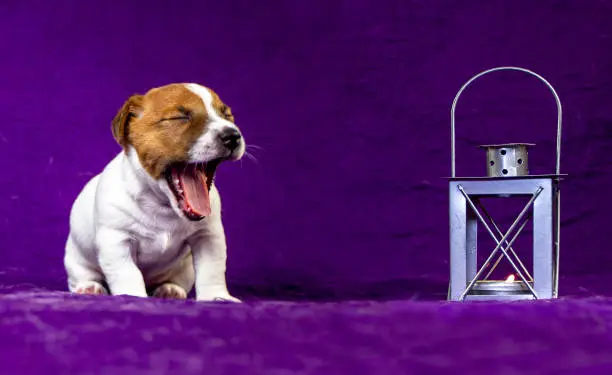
<point x="54" y="333"/>
<point x="338" y="235"/>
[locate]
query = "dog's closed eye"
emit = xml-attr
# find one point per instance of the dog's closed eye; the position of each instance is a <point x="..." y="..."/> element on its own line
<point x="183" y="115"/>
<point x="176" y="118"/>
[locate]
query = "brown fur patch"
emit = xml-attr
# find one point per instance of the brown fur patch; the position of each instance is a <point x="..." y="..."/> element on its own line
<point x="163" y="124"/>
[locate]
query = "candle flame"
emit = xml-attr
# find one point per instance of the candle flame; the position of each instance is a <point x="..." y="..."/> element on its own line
<point x="510" y="278"/>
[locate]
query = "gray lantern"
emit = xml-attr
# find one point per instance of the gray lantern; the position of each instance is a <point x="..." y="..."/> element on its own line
<point x="507" y="177"/>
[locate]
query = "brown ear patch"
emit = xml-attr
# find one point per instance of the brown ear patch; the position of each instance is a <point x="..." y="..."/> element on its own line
<point x="131" y="109"/>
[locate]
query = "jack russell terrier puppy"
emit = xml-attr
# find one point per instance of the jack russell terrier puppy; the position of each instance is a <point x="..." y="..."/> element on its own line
<point x="150" y="223"/>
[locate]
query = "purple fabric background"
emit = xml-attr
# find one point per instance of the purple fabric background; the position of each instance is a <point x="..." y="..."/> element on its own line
<point x="349" y="101"/>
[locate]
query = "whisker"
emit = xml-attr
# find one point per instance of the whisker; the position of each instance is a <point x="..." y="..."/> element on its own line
<point x="255" y="147"/>
<point x="252" y="158"/>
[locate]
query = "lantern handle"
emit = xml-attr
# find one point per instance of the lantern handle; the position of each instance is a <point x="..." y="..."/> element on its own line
<point x="552" y="90"/>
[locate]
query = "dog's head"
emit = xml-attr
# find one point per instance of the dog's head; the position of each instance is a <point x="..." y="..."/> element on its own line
<point x="181" y="133"/>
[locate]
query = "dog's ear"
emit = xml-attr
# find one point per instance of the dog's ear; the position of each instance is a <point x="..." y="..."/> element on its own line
<point x="131" y="108"/>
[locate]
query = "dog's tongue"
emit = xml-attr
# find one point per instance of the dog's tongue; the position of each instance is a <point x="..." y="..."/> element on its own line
<point x="196" y="190"/>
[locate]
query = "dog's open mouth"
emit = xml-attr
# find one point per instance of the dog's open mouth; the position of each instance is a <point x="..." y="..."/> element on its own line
<point x="191" y="184"/>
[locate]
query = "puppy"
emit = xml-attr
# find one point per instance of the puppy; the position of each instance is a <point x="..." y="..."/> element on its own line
<point x="150" y="223"/>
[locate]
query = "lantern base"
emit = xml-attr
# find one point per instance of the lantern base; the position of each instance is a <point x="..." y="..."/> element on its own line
<point x="487" y="290"/>
<point x="507" y="297"/>
<point x="489" y="287"/>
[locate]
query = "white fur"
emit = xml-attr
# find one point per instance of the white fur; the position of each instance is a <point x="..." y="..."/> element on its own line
<point x="205" y="147"/>
<point x="126" y="229"/>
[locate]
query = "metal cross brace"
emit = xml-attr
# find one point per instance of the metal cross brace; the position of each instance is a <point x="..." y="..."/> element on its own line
<point x="508" y="248"/>
<point x="500" y="242"/>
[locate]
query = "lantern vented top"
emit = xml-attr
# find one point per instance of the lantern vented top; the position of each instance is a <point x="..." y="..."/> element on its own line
<point x="507" y="160"/>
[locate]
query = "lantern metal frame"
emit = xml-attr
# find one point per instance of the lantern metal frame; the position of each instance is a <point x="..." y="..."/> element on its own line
<point x="466" y="211"/>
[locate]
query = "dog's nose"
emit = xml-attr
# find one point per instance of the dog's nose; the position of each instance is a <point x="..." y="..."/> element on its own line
<point x="230" y="138"/>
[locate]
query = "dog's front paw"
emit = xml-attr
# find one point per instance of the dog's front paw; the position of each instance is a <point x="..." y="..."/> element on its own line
<point x="227" y="298"/>
<point x="90" y="288"/>
<point x="170" y="291"/>
<point x="219" y="298"/>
